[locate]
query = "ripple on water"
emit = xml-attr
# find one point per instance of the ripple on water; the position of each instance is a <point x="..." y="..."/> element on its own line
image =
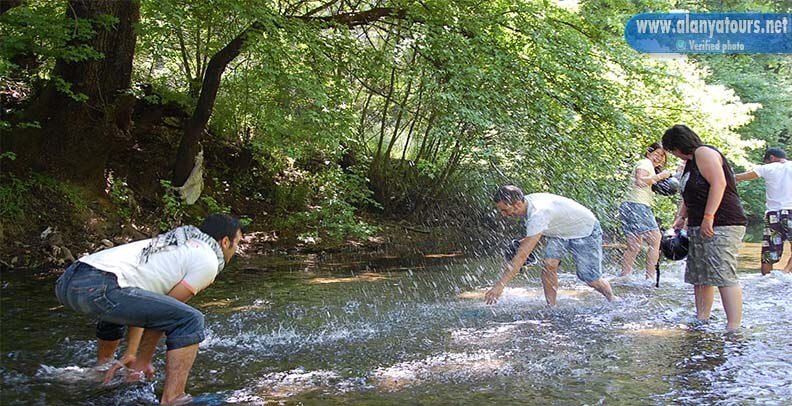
<point x="361" y="343"/>
<point x="287" y="336"/>
<point x="446" y="367"/>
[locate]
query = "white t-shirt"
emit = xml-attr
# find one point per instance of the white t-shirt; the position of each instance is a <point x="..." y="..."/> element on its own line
<point x="194" y="264"/>
<point x="778" y="180"/>
<point x="557" y="216"/>
<point x="641" y="194"/>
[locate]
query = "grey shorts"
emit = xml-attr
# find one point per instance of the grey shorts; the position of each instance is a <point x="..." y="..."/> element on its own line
<point x="636" y="218"/>
<point x="713" y="261"/>
<point x="586" y="252"/>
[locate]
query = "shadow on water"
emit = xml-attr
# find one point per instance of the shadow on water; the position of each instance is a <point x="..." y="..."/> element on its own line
<point x="360" y="330"/>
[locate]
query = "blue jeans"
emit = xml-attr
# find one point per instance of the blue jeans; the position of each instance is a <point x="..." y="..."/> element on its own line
<point x="96" y="293"/>
<point x="586" y="252"/>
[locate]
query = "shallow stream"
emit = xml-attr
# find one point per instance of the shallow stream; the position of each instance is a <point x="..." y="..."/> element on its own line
<point x="310" y="330"/>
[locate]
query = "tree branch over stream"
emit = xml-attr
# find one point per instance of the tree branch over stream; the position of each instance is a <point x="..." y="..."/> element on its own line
<point x="190" y="141"/>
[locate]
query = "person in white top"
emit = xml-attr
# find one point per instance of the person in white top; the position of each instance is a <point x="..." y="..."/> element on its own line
<point x="567" y="227"/>
<point x="144" y="285"/>
<point x="777" y="172"/>
<point x="635" y="212"/>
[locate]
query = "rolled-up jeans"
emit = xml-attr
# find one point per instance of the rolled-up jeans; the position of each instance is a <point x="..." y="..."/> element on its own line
<point x="96" y="293"/>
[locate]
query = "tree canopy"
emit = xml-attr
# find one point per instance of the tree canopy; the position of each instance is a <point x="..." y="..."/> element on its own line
<point x="408" y="107"/>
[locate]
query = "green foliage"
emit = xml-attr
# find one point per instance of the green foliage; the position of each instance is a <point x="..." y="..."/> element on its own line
<point x="158" y="92"/>
<point x="122" y="196"/>
<point x="440" y="106"/>
<point x="763" y="80"/>
<point x="21" y="197"/>
<point x="65" y="88"/>
<point x="73" y="194"/>
<point x="752" y="194"/>
<point x="37" y="34"/>
<point x="332" y="209"/>
<point x="173" y="210"/>
<point x="245" y="221"/>
<point x="176" y="213"/>
<point x="213" y="206"/>
<point x="13" y="194"/>
<point x="177" y="38"/>
<point x="7" y="155"/>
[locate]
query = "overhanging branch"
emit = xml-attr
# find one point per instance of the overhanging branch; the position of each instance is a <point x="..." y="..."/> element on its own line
<point x="355" y="19"/>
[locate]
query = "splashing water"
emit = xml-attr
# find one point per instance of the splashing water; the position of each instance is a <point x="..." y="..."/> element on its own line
<point x="420" y="333"/>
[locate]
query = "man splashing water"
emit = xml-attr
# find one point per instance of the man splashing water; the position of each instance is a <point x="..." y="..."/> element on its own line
<point x="567" y="226"/>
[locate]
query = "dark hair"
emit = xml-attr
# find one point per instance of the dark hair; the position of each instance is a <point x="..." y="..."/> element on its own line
<point x="682" y="138"/>
<point x="652" y="148"/>
<point x="221" y="225"/>
<point x="776" y="152"/>
<point x="508" y="194"/>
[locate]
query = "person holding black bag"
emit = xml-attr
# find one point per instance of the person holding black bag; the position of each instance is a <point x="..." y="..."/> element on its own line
<point x="635" y="212"/>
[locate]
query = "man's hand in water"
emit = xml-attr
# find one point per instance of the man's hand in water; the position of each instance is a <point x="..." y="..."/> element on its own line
<point x="131" y="374"/>
<point x="493" y="294"/>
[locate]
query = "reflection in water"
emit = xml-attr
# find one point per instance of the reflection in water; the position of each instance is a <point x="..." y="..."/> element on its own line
<point x="358" y="332"/>
<point x="363" y="277"/>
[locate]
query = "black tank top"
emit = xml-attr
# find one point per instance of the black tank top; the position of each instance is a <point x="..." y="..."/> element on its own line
<point x="695" y="191"/>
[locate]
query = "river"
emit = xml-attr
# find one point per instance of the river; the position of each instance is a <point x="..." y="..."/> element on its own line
<point x="387" y="331"/>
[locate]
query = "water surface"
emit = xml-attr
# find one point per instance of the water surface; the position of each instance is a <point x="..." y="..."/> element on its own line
<point x="354" y="330"/>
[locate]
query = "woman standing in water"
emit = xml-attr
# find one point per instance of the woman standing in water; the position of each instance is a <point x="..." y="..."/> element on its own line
<point x="715" y="220"/>
<point x="635" y="212"/>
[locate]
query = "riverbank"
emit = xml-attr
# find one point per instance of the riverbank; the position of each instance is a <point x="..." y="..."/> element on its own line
<point x="56" y="245"/>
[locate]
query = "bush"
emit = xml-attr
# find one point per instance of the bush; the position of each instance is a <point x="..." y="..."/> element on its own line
<point x="331" y="212"/>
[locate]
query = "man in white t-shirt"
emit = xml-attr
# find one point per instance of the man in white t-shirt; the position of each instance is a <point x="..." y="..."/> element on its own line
<point x="567" y="226"/>
<point x="777" y="172"/>
<point x="144" y="285"/>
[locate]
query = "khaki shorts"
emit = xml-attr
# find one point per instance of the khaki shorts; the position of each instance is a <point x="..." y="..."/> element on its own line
<point x="713" y="261"/>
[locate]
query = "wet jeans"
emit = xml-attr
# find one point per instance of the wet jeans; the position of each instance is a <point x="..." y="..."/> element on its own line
<point x="96" y="293"/>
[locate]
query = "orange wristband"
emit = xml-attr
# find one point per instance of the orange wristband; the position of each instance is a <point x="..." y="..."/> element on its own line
<point x="709" y="216"/>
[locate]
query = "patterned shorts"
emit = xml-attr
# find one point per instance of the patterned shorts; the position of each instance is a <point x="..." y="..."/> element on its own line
<point x="713" y="261"/>
<point x="778" y="228"/>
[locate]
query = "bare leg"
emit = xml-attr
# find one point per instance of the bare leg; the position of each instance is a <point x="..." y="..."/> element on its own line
<point x="602" y="286"/>
<point x="148" y="345"/>
<point x="766" y="268"/>
<point x="550" y="280"/>
<point x="633" y="248"/>
<point x="178" y="363"/>
<point x="106" y="351"/>
<point x="704" y="295"/>
<point x="653" y="255"/>
<point x="788" y="267"/>
<point x="731" y="296"/>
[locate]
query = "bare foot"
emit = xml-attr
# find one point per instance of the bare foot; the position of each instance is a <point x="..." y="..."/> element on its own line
<point x="184" y="399"/>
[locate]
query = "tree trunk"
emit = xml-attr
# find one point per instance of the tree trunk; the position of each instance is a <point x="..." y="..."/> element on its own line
<point x="190" y="141"/>
<point x="76" y="138"/>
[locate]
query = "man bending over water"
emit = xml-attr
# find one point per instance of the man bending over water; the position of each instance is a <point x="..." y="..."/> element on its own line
<point x="567" y="227"/>
<point x="144" y="285"/>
